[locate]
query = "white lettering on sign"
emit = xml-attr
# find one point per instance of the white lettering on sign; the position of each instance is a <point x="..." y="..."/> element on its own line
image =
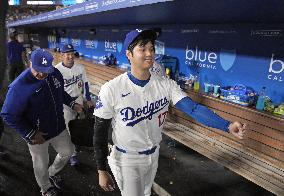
<point x="276" y="67"/>
<point x="203" y="59"/>
<point x="273" y="62"/>
<point x="110" y="46"/>
<point x="197" y="55"/>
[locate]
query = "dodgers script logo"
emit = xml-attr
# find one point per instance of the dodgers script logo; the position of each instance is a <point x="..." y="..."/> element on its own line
<point x="227" y="58"/>
<point x="133" y="116"/>
<point x="73" y="80"/>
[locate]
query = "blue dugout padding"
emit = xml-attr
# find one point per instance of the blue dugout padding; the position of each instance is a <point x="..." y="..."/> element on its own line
<point x="239" y="42"/>
<point x="222" y="54"/>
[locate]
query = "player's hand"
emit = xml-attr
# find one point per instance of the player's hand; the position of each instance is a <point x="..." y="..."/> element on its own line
<point x="78" y="108"/>
<point x="237" y="129"/>
<point x="90" y="104"/>
<point x="105" y="181"/>
<point x="38" y="138"/>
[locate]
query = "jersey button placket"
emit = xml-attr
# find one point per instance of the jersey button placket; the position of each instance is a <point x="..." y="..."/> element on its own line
<point x="144" y="92"/>
<point x="73" y="88"/>
<point x="147" y="131"/>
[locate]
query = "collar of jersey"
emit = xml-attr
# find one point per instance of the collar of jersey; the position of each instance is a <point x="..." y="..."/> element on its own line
<point x="136" y="81"/>
<point x="66" y="66"/>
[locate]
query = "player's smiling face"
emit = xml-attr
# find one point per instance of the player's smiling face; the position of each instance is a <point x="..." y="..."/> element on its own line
<point x="142" y="56"/>
<point x="68" y="59"/>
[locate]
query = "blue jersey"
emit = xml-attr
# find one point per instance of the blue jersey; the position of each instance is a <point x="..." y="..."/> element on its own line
<point x="36" y="105"/>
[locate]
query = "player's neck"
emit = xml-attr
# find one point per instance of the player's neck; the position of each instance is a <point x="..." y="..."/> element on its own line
<point x="141" y="75"/>
<point x="67" y="65"/>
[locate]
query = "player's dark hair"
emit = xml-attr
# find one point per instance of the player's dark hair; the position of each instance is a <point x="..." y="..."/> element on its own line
<point x="142" y="40"/>
<point x="76" y="54"/>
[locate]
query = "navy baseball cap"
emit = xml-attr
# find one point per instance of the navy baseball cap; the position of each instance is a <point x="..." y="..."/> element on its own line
<point x="132" y="35"/>
<point x="68" y="48"/>
<point x="42" y="61"/>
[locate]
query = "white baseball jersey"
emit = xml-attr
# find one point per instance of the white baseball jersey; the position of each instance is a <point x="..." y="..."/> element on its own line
<point x="74" y="79"/>
<point x="138" y="113"/>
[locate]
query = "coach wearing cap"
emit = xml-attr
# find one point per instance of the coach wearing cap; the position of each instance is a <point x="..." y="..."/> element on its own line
<point x="34" y="108"/>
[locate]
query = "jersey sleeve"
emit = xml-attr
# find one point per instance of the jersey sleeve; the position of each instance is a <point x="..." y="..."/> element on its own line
<point x="84" y="76"/>
<point x="202" y="114"/>
<point x="104" y="104"/>
<point x="58" y="66"/>
<point x="86" y="84"/>
<point x="176" y="93"/>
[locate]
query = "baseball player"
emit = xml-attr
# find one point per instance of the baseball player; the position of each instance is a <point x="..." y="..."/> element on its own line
<point x="34" y="108"/>
<point x="75" y="84"/>
<point x="136" y="103"/>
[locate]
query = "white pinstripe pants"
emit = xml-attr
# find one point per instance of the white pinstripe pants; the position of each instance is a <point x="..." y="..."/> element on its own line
<point x="134" y="174"/>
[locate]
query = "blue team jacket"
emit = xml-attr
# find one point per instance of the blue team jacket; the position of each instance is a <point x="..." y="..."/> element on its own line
<point x="36" y="105"/>
<point x="15" y="50"/>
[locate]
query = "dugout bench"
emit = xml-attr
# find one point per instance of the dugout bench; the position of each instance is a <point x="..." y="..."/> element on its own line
<point x="259" y="157"/>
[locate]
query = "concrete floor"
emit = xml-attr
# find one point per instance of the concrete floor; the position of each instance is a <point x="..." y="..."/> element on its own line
<point x="181" y="172"/>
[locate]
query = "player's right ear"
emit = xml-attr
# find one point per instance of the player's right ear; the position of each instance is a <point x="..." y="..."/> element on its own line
<point x="128" y="54"/>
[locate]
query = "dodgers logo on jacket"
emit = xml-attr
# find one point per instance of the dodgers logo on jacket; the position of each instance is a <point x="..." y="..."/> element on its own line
<point x="56" y="82"/>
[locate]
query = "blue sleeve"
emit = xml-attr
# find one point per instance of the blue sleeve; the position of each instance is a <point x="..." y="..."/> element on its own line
<point x="13" y="114"/>
<point x="88" y="97"/>
<point x="202" y="114"/>
<point x="67" y="99"/>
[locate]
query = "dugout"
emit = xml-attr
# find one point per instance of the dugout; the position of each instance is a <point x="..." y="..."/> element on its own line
<point x="226" y="42"/>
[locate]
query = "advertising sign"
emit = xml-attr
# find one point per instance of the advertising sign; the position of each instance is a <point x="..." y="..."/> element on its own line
<point x="221" y="54"/>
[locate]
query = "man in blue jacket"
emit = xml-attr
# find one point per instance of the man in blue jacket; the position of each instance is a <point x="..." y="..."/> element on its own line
<point x="34" y="108"/>
<point x="16" y="56"/>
